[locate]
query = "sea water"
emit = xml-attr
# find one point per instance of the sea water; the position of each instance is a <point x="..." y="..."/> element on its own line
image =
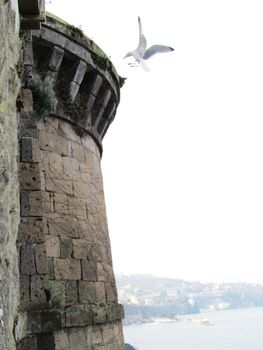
<point x="231" y="330"/>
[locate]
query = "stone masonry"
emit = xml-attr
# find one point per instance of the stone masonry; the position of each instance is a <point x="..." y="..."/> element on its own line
<point x="58" y="289"/>
<point x="9" y="190"/>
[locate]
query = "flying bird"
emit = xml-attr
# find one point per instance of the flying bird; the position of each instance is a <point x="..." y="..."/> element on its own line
<point x="141" y="53"/>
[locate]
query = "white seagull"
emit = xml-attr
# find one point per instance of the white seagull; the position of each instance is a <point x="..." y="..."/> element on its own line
<point x="141" y="53"/>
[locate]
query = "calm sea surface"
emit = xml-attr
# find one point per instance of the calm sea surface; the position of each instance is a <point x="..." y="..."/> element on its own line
<point x="232" y="330"/>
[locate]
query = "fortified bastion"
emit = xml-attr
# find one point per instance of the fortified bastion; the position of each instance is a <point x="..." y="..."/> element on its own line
<point x="58" y="289"/>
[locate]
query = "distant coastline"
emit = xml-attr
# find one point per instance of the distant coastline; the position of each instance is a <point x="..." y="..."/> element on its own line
<point x="147" y="298"/>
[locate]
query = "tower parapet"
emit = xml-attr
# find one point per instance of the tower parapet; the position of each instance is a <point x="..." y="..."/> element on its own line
<point x="68" y="296"/>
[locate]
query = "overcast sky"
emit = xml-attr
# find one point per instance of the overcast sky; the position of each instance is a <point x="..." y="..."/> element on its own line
<point x="183" y="159"/>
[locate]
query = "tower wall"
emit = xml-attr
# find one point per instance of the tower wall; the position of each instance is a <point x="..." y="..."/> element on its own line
<point x="9" y="190"/>
<point x="58" y="288"/>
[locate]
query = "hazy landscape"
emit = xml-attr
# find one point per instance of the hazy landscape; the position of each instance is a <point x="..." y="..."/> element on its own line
<point x="146" y="297"/>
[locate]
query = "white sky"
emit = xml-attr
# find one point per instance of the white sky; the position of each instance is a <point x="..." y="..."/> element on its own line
<point x="182" y="162"/>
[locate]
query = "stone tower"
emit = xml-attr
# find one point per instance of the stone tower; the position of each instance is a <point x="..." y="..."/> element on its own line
<point x="64" y="286"/>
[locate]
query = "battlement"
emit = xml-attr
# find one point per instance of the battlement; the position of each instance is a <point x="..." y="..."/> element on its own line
<point x="86" y="86"/>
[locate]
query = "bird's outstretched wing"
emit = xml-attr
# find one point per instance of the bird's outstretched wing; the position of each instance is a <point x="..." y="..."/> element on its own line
<point x="152" y="50"/>
<point x="142" y="40"/>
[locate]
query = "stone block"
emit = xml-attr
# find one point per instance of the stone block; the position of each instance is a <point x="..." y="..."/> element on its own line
<point x="80" y="72"/>
<point x="52" y="245"/>
<point x="36" y="203"/>
<point x="65" y="226"/>
<point x="87" y="292"/>
<point x="102" y="274"/>
<point x="28" y="125"/>
<point x="53" y="37"/>
<point x="51" y="320"/>
<point x="77" y="336"/>
<point x="89" y="143"/>
<point x="50" y="263"/>
<point x="65" y="247"/>
<point x="73" y="90"/>
<point x="120" y="312"/>
<point x="56" y="59"/>
<point x="89" y="270"/>
<point x="56" y="293"/>
<point x="96" y="85"/>
<point x="24" y="292"/>
<point x="61" y="340"/>
<point x="45" y="341"/>
<point x="27" y="100"/>
<point x="71" y="167"/>
<point x="100" y="292"/>
<point x="108" y="334"/>
<point x="24" y="203"/>
<point x="29" y="150"/>
<point x="60" y="203"/>
<point x="49" y="125"/>
<point x="41" y="259"/>
<point x="28" y="343"/>
<point x="55" y="166"/>
<point x="61" y="146"/>
<point x="99" y="314"/>
<point x="81" y="189"/>
<point x="29" y="176"/>
<point x="94" y="252"/>
<point x="46" y="141"/>
<point x="38" y="295"/>
<point x="34" y="321"/>
<point x="66" y="130"/>
<point x="111" y="312"/>
<point x="58" y="186"/>
<point x="111" y="292"/>
<point x="27" y="260"/>
<point x="71" y="292"/>
<point x="67" y="269"/>
<point x="80" y="249"/>
<point x="79" y="315"/>
<point x="77" y="152"/>
<point x="97" y="336"/>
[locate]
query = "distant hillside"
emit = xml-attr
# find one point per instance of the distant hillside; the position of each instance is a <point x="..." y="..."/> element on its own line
<point x="145" y="297"/>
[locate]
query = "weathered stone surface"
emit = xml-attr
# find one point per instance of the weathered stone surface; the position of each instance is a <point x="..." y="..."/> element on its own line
<point x="61" y="340"/>
<point x="67" y="269"/>
<point x="87" y="292"/>
<point x="99" y="314"/>
<point x="24" y="292"/>
<point x="65" y="247"/>
<point x="24" y="203"/>
<point x="38" y="295"/>
<point x="30" y="178"/>
<point x="77" y="336"/>
<point x="56" y="293"/>
<point x="51" y="320"/>
<point x="56" y="59"/>
<point x="71" y="293"/>
<point x="41" y="259"/>
<point x="52" y="246"/>
<point x="45" y="341"/>
<point x="111" y="292"/>
<point x="29" y="150"/>
<point x="60" y="203"/>
<point x="32" y="229"/>
<point x="80" y="249"/>
<point x="27" y="257"/>
<point x="80" y="315"/>
<point x="89" y="270"/>
<point x="28" y="343"/>
<point x="61" y="225"/>
<point x="100" y="292"/>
